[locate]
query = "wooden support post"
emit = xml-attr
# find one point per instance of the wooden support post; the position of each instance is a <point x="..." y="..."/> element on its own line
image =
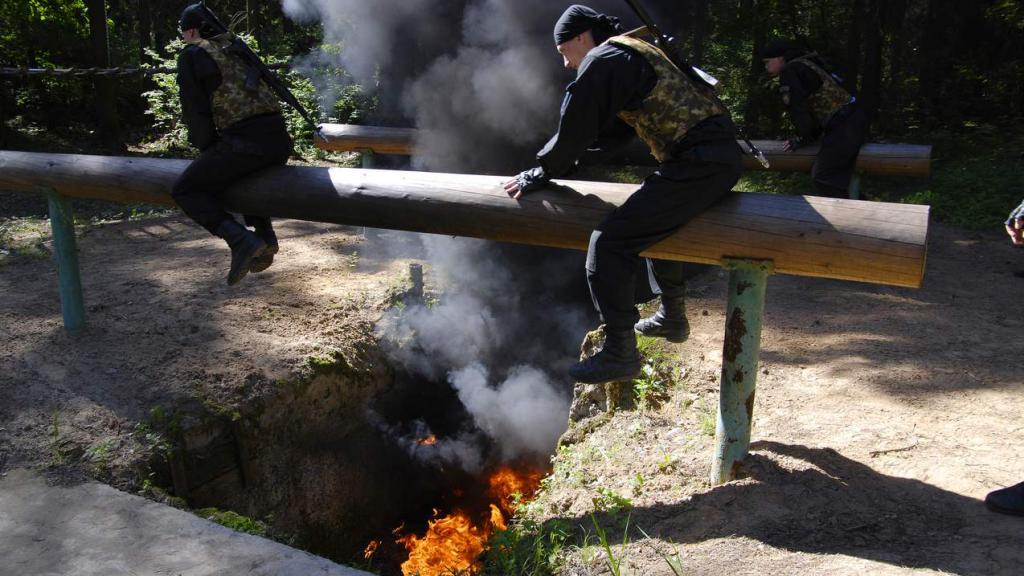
<point x="747" y="282"/>
<point x="65" y="250"/>
<point x="366" y="158"/>
<point x="855" y="186"/>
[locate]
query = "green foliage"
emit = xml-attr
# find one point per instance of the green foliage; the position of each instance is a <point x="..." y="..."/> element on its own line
<point x="609" y="501"/>
<point x="657" y="375"/>
<point x="527" y="548"/>
<point x="709" y="421"/>
<point x="28" y="29"/>
<point x="976" y="182"/>
<point x="99" y="452"/>
<point x="614" y="564"/>
<point x="234" y="521"/>
<point x="163" y="101"/>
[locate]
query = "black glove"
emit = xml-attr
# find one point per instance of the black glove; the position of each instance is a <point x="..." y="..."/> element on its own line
<point x="1017" y="214"/>
<point x="532" y="179"/>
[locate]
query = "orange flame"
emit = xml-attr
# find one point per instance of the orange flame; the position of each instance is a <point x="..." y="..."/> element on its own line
<point x="371" y="549"/>
<point x="454" y="543"/>
<point x="428" y="441"/>
<point x="451" y="545"/>
<point x="506" y="483"/>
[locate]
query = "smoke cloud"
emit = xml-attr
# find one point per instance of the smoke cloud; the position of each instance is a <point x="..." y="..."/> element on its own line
<point x="482" y="81"/>
<point x="525" y="414"/>
<point x="503" y="339"/>
<point x="481" y="75"/>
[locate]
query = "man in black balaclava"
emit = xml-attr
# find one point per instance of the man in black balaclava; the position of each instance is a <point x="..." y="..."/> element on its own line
<point x="819" y="107"/>
<point x="238" y="129"/>
<point x="626" y="86"/>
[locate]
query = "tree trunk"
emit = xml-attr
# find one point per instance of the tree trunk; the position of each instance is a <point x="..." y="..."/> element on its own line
<point x="106" y="95"/>
<point x="892" y="112"/>
<point x="853" y="46"/>
<point x="871" y="83"/>
<point x="145" y="28"/>
<point x="700" y="32"/>
<point x="3" y="114"/>
<point x="755" y="94"/>
<point x="934" y="55"/>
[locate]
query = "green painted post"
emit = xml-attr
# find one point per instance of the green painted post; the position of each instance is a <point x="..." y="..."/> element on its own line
<point x="855" y="186"/>
<point x="65" y="250"/>
<point x="366" y="158"/>
<point x="747" y="282"/>
<point x="366" y="161"/>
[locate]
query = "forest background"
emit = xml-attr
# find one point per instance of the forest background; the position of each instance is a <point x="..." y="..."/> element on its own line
<point x="943" y="72"/>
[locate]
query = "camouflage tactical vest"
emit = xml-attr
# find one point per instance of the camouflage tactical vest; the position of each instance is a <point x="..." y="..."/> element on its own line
<point x="231" y="101"/>
<point x="675" y="105"/>
<point x="829" y="98"/>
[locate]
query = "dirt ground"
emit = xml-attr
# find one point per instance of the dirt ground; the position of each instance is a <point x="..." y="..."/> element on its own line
<point x="883" y="415"/>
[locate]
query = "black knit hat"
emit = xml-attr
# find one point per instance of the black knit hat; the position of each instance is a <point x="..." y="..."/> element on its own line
<point x="578" y="19"/>
<point x="775" y="48"/>
<point x="197" y="16"/>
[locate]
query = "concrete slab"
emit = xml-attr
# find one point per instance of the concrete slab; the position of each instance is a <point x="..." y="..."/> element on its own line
<point x="93" y="529"/>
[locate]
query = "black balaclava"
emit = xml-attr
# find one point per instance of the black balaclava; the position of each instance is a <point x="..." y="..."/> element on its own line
<point x="779" y="47"/>
<point x="195" y="16"/>
<point x="577" y="19"/>
<point x="775" y="48"/>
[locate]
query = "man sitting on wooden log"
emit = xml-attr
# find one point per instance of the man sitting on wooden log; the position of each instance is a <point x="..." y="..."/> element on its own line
<point x="238" y="127"/>
<point x="621" y="78"/>
<point x="819" y="107"/>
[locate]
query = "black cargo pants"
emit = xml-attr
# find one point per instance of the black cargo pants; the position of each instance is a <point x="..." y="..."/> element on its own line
<point x="668" y="199"/>
<point x="200" y="189"/>
<point x="840" y="144"/>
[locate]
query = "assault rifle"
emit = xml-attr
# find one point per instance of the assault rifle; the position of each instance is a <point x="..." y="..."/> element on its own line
<point x="258" y="71"/>
<point x="674" y="51"/>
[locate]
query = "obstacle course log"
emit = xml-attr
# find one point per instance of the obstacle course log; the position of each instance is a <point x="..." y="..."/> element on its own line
<point x="884" y="159"/>
<point x="808" y="236"/>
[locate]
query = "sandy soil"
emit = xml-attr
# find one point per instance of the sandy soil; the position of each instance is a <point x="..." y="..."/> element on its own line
<point x="164" y="332"/>
<point x="883" y="415"/>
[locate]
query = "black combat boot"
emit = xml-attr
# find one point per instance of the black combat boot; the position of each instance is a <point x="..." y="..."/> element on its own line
<point x="245" y="246"/>
<point x="617" y="360"/>
<point x="1007" y="501"/>
<point x="669" y="322"/>
<point x="265" y="230"/>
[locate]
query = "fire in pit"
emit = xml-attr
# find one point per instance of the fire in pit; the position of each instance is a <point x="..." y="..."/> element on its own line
<point x="454" y="543"/>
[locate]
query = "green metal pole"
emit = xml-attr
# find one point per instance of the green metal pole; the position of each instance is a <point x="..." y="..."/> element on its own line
<point x="855" y="187"/>
<point x="62" y="220"/>
<point x="747" y="282"/>
<point x="366" y="161"/>
<point x="366" y="158"/>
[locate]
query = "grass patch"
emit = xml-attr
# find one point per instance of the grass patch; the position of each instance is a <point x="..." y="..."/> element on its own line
<point x="236" y="522"/>
<point x="658" y="375"/>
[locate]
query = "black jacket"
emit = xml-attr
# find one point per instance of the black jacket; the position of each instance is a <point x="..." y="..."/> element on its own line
<point x="610" y="79"/>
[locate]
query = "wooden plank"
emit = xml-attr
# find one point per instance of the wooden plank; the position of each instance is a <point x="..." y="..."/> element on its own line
<point x="804" y="235"/>
<point x="885" y="159"/>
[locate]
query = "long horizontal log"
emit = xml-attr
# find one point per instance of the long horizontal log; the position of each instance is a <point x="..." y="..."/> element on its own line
<point x="808" y="236"/>
<point x="886" y="159"/>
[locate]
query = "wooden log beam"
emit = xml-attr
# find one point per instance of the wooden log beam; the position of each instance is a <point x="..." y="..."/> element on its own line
<point x="808" y="236"/>
<point x="885" y="159"/>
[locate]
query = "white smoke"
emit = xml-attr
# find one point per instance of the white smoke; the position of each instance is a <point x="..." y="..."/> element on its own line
<point x="520" y="400"/>
<point x="525" y="414"/>
<point x="483" y="82"/>
<point x="482" y="76"/>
